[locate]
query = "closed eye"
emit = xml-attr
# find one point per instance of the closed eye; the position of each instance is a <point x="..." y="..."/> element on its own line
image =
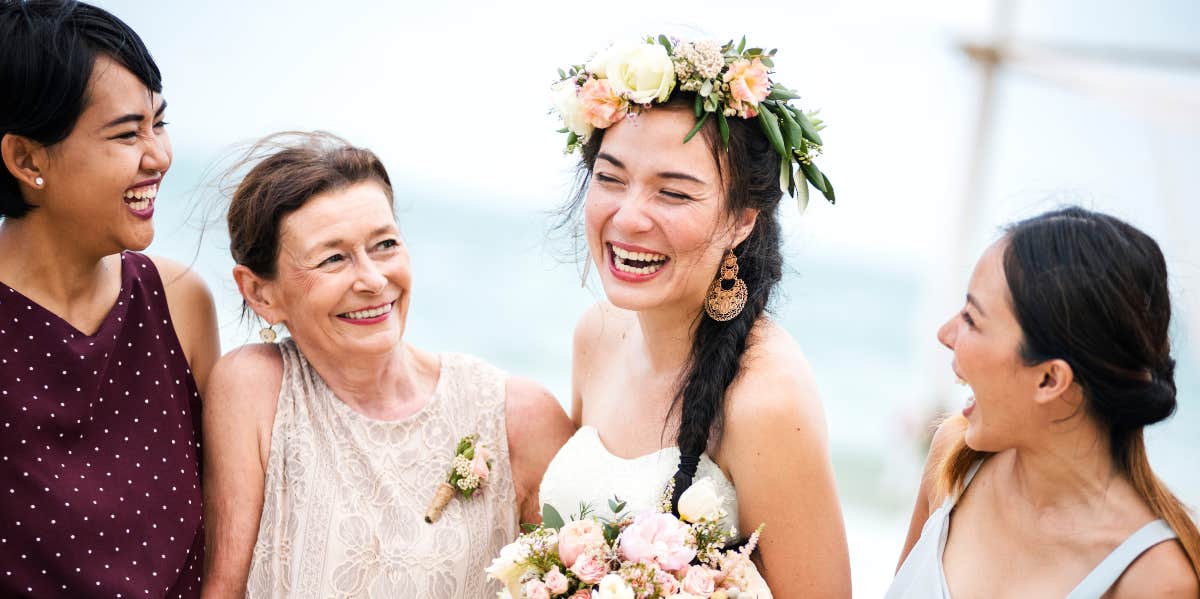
<point x="603" y="178"/>
<point x="966" y="316"/>
<point x="676" y="195"/>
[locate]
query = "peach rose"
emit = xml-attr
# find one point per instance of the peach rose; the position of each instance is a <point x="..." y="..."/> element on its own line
<point x="589" y="569"/>
<point x="479" y="467"/>
<point x="576" y="538"/>
<point x="536" y="589"/>
<point x="602" y="107"/>
<point x="748" y="85"/>
<point x="556" y="581"/>
<point x="666" y="582"/>
<point x="699" y="581"/>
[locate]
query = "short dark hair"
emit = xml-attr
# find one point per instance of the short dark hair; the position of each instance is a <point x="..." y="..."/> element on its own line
<point x="49" y="51"/>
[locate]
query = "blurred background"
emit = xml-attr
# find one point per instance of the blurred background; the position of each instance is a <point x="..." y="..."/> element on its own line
<point x="946" y="119"/>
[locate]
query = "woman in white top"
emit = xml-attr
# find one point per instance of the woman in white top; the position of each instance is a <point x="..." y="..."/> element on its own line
<point x="1064" y="341"/>
<point x="664" y="388"/>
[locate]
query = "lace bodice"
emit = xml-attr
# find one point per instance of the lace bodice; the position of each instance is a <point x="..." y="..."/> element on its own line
<point x="585" y="471"/>
<point x="345" y="495"/>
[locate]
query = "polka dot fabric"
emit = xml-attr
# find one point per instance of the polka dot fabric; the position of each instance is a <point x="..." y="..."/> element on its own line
<point x="99" y="450"/>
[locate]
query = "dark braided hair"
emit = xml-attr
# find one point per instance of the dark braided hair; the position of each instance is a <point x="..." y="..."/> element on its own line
<point x="750" y="176"/>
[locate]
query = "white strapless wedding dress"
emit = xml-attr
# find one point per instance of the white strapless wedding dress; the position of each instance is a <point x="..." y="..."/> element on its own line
<point x="585" y="472"/>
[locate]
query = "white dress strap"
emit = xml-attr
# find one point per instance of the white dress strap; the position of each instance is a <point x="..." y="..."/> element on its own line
<point x="1102" y="578"/>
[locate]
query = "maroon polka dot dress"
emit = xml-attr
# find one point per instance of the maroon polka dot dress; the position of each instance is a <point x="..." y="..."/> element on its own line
<point x="99" y="450"/>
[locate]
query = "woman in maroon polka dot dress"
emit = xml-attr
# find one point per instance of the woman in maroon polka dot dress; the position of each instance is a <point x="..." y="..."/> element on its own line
<point x="103" y="351"/>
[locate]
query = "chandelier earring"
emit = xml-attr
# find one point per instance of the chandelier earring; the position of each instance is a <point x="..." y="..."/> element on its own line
<point x="267" y="334"/>
<point x="721" y="303"/>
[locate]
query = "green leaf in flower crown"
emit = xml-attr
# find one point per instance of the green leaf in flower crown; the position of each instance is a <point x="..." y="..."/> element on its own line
<point x="801" y="192"/>
<point x="723" y="127"/>
<point x="779" y="92"/>
<point x="814" y="176"/>
<point x="696" y="129"/>
<point x="809" y="130"/>
<point x="767" y="61"/>
<point x="770" y="126"/>
<point x="662" y="39"/>
<point x="792" y="133"/>
<point x="562" y="74"/>
<point x="742" y="46"/>
<point x="699" y="105"/>
<point x="551" y="518"/>
<point x="572" y="138"/>
<point x="785" y="176"/>
<point x="828" y="189"/>
<point x="753" y="52"/>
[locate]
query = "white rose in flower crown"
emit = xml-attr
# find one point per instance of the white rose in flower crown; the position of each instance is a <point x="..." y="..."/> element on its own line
<point x="700" y="501"/>
<point x="613" y="587"/>
<point x="641" y="72"/>
<point x="566" y="102"/>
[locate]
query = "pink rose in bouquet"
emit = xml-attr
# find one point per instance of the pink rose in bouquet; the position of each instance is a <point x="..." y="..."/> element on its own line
<point x="577" y="537"/>
<point x="700" y="581"/>
<point x="556" y="581"/>
<point x="657" y="538"/>
<point x="536" y="589"/>
<point x="589" y="568"/>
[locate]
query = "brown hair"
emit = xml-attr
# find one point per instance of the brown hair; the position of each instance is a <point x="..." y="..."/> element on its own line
<point x="286" y="170"/>
<point x="1090" y="289"/>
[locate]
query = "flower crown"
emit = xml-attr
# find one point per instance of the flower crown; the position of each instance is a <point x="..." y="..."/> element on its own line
<point x="728" y="81"/>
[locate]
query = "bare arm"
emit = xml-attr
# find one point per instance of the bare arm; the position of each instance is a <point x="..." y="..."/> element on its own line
<point x="194" y="317"/>
<point x="537" y="428"/>
<point x="775" y="446"/>
<point x="238" y="415"/>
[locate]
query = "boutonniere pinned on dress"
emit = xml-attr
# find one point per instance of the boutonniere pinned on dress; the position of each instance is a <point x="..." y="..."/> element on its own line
<point x="470" y="468"/>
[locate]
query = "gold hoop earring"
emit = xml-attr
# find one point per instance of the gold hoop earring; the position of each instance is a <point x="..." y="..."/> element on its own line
<point x="267" y="334"/>
<point x="723" y="304"/>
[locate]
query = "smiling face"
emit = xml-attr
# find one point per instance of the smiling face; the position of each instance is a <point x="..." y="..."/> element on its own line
<point x="985" y="337"/>
<point x="100" y="182"/>
<point x="655" y="213"/>
<point x="343" y="278"/>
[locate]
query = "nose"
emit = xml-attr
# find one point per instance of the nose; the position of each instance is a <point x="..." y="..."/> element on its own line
<point x="631" y="215"/>
<point x="157" y="157"/>
<point x="368" y="277"/>
<point x="948" y="332"/>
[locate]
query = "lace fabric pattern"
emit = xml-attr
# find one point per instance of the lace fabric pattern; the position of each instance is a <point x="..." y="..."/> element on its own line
<point x="345" y="495"/>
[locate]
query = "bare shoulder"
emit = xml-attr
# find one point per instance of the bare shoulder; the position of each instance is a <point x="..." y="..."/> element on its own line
<point x="776" y="382"/>
<point x="180" y="280"/>
<point x="530" y="405"/>
<point x="1163" y="571"/>
<point x="248" y="379"/>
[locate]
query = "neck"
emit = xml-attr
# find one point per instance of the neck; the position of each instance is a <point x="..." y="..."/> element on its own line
<point x="49" y="266"/>
<point x="387" y="386"/>
<point x="1067" y="468"/>
<point x="666" y="338"/>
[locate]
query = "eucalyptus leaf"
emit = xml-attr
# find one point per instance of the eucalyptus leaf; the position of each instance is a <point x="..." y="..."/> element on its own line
<point x="662" y="39"/>
<point x="551" y="518"/>
<point x="562" y="74"/>
<point x="770" y="126"/>
<point x="754" y="52"/>
<point x="767" y="61"/>
<point x="696" y="129"/>
<point x="742" y="46"/>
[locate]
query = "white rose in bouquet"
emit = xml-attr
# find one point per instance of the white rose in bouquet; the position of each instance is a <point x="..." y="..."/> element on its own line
<point x="701" y="501"/>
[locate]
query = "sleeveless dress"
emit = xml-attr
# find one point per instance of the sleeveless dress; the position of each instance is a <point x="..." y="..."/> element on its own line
<point x="584" y="471"/>
<point x="345" y="495"/>
<point x="99" y="450"/>
<point x="921" y="575"/>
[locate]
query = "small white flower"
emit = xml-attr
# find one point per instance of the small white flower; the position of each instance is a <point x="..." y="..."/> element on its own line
<point x="613" y="586"/>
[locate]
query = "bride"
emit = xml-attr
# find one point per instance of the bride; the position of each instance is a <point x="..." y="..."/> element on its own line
<point x="680" y="374"/>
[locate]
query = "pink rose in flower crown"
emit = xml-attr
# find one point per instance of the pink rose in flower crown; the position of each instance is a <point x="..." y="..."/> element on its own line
<point x="748" y="85"/>
<point x="601" y="105"/>
<point x="536" y="589"/>
<point x="657" y="538"/>
<point x="589" y="568"/>
<point x="556" y="581"/>
<point x="699" y="581"/>
<point x="577" y="537"/>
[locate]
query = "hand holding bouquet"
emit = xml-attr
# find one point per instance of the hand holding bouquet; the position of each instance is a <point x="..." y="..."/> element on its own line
<point x="651" y="555"/>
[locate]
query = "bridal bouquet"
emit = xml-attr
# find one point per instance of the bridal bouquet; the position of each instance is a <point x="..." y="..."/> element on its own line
<point x="651" y="555"/>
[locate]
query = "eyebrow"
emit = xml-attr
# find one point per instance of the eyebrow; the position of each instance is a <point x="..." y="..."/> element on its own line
<point x="335" y="243"/>
<point x="662" y="175"/>
<point x="134" y="117"/>
<point x="974" y="302"/>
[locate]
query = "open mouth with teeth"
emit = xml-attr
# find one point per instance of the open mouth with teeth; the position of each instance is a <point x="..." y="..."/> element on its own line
<point x="636" y="263"/>
<point x="142" y="198"/>
<point x="368" y="315"/>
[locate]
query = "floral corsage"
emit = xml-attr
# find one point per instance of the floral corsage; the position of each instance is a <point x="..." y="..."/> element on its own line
<point x="470" y="468"/>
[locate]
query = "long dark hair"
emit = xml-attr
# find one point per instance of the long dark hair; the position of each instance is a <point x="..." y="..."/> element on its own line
<point x="750" y="177"/>
<point x="1091" y="289"/>
<point x="50" y="48"/>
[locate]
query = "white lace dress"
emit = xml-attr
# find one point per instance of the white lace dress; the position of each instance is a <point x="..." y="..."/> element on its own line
<point x="345" y="495"/>
<point x="585" y="472"/>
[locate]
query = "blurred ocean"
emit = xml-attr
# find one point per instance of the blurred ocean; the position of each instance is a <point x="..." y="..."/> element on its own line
<point x="488" y="281"/>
